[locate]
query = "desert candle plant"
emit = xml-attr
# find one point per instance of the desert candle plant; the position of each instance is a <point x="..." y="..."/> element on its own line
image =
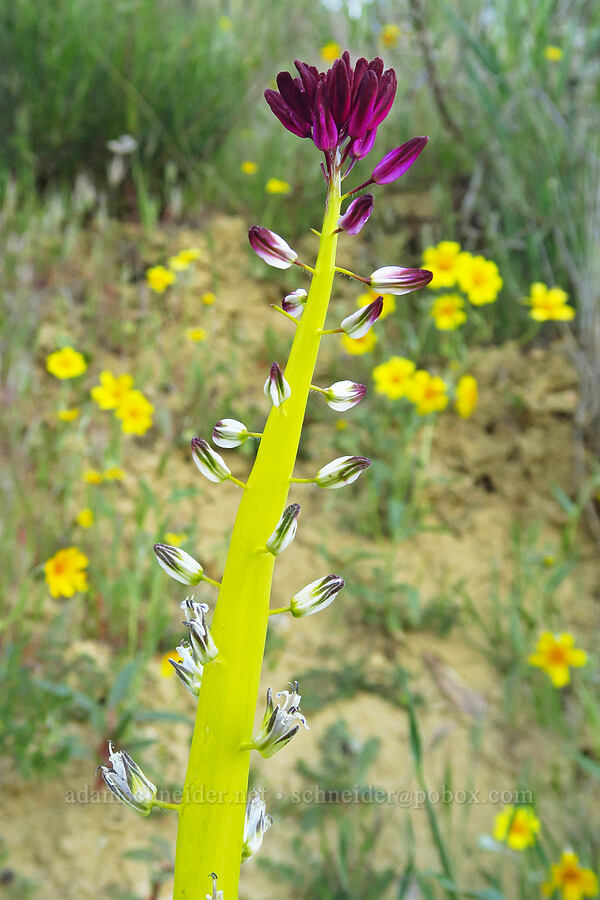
<point x="221" y="823"/>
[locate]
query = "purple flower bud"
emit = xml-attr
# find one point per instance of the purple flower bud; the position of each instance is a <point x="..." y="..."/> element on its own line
<point x="316" y="596"/>
<point x="358" y="323"/>
<point x="357" y="214"/>
<point x="310" y="78"/>
<point x="338" y="87"/>
<point x="294" y="96"/>
<point x="362" y="146"/>
<point x="288" y="118"/>
<point x="285" y="530"/>
<point x="325" y="133"/>
<point x="294" y="303"/>
<point x="341" y="471"/>
<point x="344" y="395"/>
<point x="385" y="97"/>
<point x="270" y="247"/>
<point x="398" y="161"/>
<point x="398" y="280"/>
<point x="362" y="108"/>
<point x="276" y="387"/>
<point x="209" y="462"/>
<point x="229" y="433"/>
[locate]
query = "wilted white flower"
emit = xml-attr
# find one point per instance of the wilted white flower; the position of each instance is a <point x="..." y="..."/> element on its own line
<point x="280" y="722"/>
<point x="316" y="596"/>
<point x="127" y="781"/>
<point x="200" y="637"/>
<point x="216" y="895"/>
<point x="256" y="824"/>
<point x="188" y="668"/>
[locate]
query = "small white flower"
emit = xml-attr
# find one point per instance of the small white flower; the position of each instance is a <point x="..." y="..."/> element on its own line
<point x="280" y="722"/>
<point x="201" y="639"/>
<point x="285" y="530"/>
<point x="294" y="303"/>
<point x="256" y="824"/>
<point x="229" y="433"/>
<point x="316" y="596"/>
<point x="178" y="564"/>
<point x="276" y="387"/>
<point x="122" y="145"/>
<point x="209" y="462"/>
<point x="188" y="668"/>
<point x="127" y="781"/>
<point x="341" y="471"/>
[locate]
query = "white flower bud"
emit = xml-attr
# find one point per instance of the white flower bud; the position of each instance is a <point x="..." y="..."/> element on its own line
<point x="294" y="303"/>
<point x="359" y="323"/>
<point x="276" y="387"/>
<point x="344" y="395"/>
<point x="341" y="471"/>
<point x="229" y="433"/>
<point x="316" y="596"/>
<point x="178" y="564"/>
<point x="209" y="462"/>
<point x="285" y="530"/>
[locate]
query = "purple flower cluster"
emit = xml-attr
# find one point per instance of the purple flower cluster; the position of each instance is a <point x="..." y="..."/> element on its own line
<point x="331" y="107"/>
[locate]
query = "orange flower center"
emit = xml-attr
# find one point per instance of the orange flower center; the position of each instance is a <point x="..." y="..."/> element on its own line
<point x="558" y="656"/>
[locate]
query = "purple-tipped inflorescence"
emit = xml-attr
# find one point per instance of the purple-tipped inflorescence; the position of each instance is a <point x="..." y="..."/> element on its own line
<point x="356" y="215"/>
<point x="271" y="247"/>
<point x="276" y="387"/>
<point x="399" y="280"/>
<point x="358" y="323"/>
<point x="343" y="105"/>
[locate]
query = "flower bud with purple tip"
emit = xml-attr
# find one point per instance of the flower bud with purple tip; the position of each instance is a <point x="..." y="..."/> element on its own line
<point x="276" y="387"/>
<point x="178" y="564"/>
<point x="293" y="304"/>
<point x="285" y="530"/>
<point x="398" y="161"/>
<point x="359" y="323"/>
<point x="399" y="280"/>
<point x="343" y="395"/>
<point x="209" y="462"/>
<point x="341" y="471"/>
<point x="271" y="247"/>
<point x="357" y="214"/>
<point x="316" y="596"/>
<point x="229" y="433"/>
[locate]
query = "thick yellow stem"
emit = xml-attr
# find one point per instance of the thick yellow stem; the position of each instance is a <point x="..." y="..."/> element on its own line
<point x="211" y="817"/>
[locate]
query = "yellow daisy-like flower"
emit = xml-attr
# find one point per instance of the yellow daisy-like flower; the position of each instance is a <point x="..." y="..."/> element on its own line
<point x="553" y="54"/>
<point x="135" y="413"/>
<point x="358" y="346"/>
<point x="174" y="538"/>
<point x="555" y="654"/>
<point x="111" y="390"/>
<point x="208" y="298"/>
<point x="466" y="396"/>
<point x="248" y="167"/>
<point x="65" y="572"/>
<point x="68" y="415"/>
<point x="442" y="261"/>
<point x="93" y="476"/>
<point x="66" y="363"/>
<point x="393" y="377"/>
<point x="159" y="278"/>
<point x="448" y="312"/>
<point x="389" y="302"/>
<point x="549" y="304"/>
<point x="330" y="51"/>
<point x="276" y="186"/>
<point x="517" y="827"/>
<point x="570" y="879"/>
<point x="196" y="334"/>
<point x="389" y="35"/>
<point x="478" y="277"/>
<point x="428" y="392"/>
<point x="166" y="669"/>
<point x="85" y="517"/>
<point x="114" y="473"/>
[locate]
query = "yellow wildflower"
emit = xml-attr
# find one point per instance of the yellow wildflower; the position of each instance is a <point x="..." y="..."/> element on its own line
<point x="554" y="54"/>
<point x="389" y="302"/>
<point x="570" y="879"/>
<point x="517" y="827"/>
<point x="183" y="259"/>
<point x="159" y="278"/>
<point x="341" y="424"/>
<point x="208" y="298"/>
<point x="196" y="334"/>
<point x="114" y="473"/>
<point x="389" y="35"/>
<point x="393" y="377"/>
<point x="448" y="312"/>
<point x="428" y="392"/>
<point x="358" y="346"/>
<point x="65" y="573"/>
<point x="166" y="669"/>
<point x="135" y="412"/>
<point x="92" y="476"/>
<point x="549" y="560"/>
<point x="549" y="304"/>
<point x="68" y="415"/>
<point x="466" y="396"/>
<point x="111" y="390"/>
<point x="442" y="261"/>
<point x="85" y="517"/>
<point x="224" y="23"/>
<point x="66" y="363"/>
<point x="555" y="653"/>
<point x="276" y="186"/>
<point x="248" y="167"/>
<point x="330" y="51"/>
<point x="478" y="277"/>
<point x="174" y="538"/>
